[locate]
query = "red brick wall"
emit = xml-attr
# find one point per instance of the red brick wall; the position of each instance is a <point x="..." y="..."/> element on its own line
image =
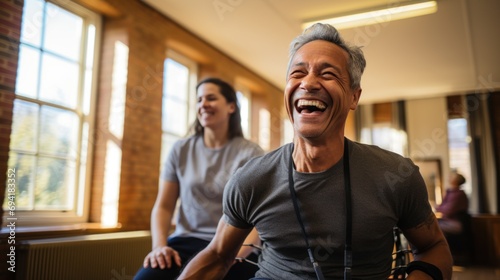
<point x="142" y="133"/>
<point x="10" y="30"/>
<point x="141" y="141"/>
<point x="112" y="32"/>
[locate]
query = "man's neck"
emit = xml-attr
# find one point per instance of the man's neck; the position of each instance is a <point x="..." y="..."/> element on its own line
<point x="310" y="157"/>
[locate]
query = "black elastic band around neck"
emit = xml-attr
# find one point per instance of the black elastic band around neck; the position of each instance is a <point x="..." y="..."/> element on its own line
<point x="348" y="224"/>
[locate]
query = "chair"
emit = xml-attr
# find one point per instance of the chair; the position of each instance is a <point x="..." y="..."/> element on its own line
<point x="402" y="255"/>
<point x="461" y="243"/>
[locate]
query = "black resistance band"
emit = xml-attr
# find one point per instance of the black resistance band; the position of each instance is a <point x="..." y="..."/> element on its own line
<point x="348" y="224"/>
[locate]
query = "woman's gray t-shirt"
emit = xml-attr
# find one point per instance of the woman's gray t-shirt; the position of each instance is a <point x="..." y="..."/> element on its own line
<point x="202" y="174"/>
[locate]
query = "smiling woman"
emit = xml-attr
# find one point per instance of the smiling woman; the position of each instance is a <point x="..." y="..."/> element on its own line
<point x="192" y="184"/>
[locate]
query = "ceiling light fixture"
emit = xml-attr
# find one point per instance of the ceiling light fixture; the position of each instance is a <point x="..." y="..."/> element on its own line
<point x="380" y="15"/>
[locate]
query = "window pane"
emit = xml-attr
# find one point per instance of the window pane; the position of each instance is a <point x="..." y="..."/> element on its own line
<point x="87" y="92"/>
<point x="457" y="133"/>
<point x="175" y="100"/>
<point x="54" y="179"/>
<point x="389" y="138"/>
<point x="27" y="71"/>
<point x="288" y="132"/>
<point x="59" y="81"/>
<point x="177" y="77"/>
<point x="175" y="117"/>
<point x="24" y="126"/>
<point x="31" y="29"/>
<point x="264" y="129"/>
<point x="58" y="132"/>
<point x="244" y="112"/>
<point x="89" y="57"/>
<point x="63" y="32"/>
<point x="25" y="171"/>
<point x="89" y="63"/>
<point x="458" y="142"/>
<point x="178" y="91"/>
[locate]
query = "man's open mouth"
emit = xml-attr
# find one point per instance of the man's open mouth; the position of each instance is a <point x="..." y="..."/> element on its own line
<point x="309" y="106"/>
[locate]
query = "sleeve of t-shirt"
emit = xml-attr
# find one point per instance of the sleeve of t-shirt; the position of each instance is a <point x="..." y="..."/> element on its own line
<point x="257" y="151"/>
<point x="415" y="207"/>
<point x="249" y="150"/>
<point x="169" y="172"/>
<point x="234" y="203"/>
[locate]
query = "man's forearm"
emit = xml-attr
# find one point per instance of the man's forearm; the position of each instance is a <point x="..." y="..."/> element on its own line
<point x="206" y="265"/>
<point x="438" y="256"/>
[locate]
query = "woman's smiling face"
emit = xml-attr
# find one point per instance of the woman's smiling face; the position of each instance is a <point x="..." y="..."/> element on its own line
<point x="318" y="96"/>
<point x="213" y="108"/>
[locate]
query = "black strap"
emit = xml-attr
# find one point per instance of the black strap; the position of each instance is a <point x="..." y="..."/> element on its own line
<point x="348" y="215"/>
<point x="428" y="268"/>
<point x="317" y="268"/>
<point x="348" y="225"/>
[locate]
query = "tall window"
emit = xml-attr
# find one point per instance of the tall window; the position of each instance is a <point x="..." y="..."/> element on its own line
<point x="382" y="124"/>
<point x="265" y="129"/>
<point x="387" y="137"/>
<point x="286" y="131"/>
<point x="178" y="113"/>
<point x="244" y="102"/>
<point x="52" y="118"/>
<point x="458" y="143"/>
<point x="459" y="139"/>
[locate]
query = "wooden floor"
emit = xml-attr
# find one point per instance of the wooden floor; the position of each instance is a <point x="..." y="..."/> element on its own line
<point x="475" y="273"/>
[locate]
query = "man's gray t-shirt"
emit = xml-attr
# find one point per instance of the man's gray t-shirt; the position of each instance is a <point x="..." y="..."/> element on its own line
<point x="387" y="191"/>
<point x="202" y="174"/>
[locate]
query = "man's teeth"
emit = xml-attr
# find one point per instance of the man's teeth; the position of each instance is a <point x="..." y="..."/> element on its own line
<point x="307" y="103"/>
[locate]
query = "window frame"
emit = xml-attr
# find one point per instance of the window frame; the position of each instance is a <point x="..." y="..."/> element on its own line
<point x="192" y="67"/>
<point x="246" y="120"/>
<point x="86" y="120"/>
<point x="460" y="159"/>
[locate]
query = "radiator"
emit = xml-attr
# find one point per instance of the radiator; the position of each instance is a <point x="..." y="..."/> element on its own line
<point x="109" y="256"/>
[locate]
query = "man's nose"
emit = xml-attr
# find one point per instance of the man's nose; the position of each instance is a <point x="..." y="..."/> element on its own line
<point x="310" y="83"/>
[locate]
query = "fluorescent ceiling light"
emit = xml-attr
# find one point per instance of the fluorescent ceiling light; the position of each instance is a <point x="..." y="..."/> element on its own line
<point x="387" y="14"/>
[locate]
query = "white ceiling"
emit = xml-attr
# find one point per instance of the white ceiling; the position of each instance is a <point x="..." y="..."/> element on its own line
<point x="453" y="51"/>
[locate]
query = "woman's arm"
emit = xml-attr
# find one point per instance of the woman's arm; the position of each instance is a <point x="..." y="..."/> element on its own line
<point x="161" y="220"/>
<point x="216" y="259"/>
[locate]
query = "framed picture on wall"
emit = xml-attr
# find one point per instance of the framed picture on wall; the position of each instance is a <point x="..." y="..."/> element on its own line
<point x="431" y="171"/>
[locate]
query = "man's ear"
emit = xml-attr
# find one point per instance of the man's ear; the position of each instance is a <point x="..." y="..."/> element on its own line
<point x="356" y="95"/>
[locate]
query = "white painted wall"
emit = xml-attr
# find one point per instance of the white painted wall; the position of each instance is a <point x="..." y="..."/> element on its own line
<point x="427" y="129"/>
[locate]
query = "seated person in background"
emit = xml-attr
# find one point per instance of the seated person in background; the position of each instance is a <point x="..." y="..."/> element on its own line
<point x="196" y="172"/>
<point x="455" y="204"/>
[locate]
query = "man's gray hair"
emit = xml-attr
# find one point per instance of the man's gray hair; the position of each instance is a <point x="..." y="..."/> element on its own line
<point x="319" y="31"/>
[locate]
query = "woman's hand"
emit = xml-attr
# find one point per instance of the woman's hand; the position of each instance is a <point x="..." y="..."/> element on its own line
<point x="162" y="257"/>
